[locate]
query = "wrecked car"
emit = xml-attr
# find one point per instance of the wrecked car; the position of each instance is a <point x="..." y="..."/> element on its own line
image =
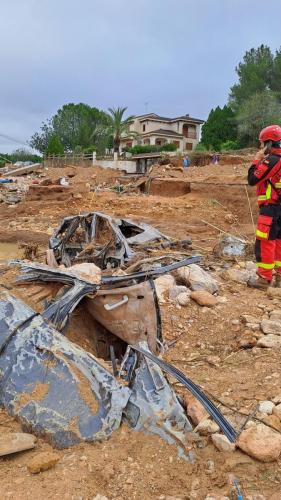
<point x="106" y="241"/>
<point x="66" y="394"/>
<point x="87" y="358"/>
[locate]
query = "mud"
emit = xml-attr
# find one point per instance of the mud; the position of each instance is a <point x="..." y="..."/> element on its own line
<point x="203" y="344"/>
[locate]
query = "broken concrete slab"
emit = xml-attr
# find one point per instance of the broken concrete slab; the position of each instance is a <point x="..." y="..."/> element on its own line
<point x="14" y="442"/>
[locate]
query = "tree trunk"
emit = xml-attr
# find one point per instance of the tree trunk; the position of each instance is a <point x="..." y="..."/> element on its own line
<point x="116" y="144"/>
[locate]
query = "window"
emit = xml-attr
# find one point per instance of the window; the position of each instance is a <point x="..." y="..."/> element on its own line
<point x="189" y="145"/>
<point x="143" y="128"/>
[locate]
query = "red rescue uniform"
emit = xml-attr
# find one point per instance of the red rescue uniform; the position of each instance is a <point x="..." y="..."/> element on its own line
<point x="266" y="176"/>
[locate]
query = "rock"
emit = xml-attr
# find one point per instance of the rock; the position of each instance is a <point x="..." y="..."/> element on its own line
<point x="255" y="327"/>
<point x="247" y="341"/>
<point x="221" y="299"/>
<point x="42" y="461"/>
<point x="13" y="442"/>
<point x="176" y="290"/>
<point x="163" y="284"/>
<point x="269" y="326"/>
<point x="260" y="442"/>
<point x="216" y="497"/>
<point x="275" y="315"/>
<point x="100" y="497"/>
<point x="87" y="271"/>
<point x="266" y="407"/>
<point x="246" y="318"/>
<point x="204" y="298"/>
<point x="277" y="411"/>
<point x="273" y="420"/>
<point x="50" y="231"/>
<point x="77" y="196"/>
<point x="210" y="467"/>
<point x="269" y="341"/>
<point x="231" y="248"/>
<point x="222" y="443"/>
<point x="207" y="427"/>
<point x="196" y="278"/>
<point x="277" y="399"/>
<point x="183" y="299"/>
<point x="273" y="293"/>
<point x="194" y="409"/>
<point x="237" y="275"/>
<point x="250" y="265"/>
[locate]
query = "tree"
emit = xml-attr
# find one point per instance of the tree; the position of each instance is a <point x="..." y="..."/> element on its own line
<point x="75" y="125"/>
<point x="260" y="110"/>
<point x="219" y="127"/>
<point x="118" y="126"/>
<point x="255" y="75"/>
<point x="55" y="147"/>
<point x="276" y="74"/>
<point x="40" y="140"/>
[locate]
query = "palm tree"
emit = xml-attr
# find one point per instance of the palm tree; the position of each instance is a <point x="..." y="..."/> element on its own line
<point x="118" y="125"/>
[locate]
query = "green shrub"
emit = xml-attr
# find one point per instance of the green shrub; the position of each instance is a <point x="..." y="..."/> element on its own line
<point x="89" y="150"/>
<point x="229" y="145"/>
<point x="168" y="147"/>
<point x="200" y="147"/>
<point x="150" y="148"/>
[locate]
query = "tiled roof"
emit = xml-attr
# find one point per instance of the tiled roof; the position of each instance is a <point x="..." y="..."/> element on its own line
<point x="162" y="131"/>
<point x="153" y="116"/>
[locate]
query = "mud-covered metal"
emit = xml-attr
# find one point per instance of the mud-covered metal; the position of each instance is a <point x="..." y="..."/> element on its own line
<point x="51" y="385"/>
<point x="101" y="239"/>
<point x="59" y="391"/>
<point x="153" y="406"/>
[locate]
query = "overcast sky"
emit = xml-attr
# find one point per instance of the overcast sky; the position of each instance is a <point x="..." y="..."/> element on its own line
<point x="179" y="56"/>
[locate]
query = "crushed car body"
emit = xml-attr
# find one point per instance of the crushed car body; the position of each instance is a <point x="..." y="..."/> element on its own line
<point x="106" y="241"/>
<point x="66" y="393"/>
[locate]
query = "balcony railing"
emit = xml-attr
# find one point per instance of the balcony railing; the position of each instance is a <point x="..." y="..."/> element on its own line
<point x="190" y="135"/>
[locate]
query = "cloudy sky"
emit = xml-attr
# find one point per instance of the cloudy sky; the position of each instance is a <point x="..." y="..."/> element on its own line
<point x="178" y="56"/>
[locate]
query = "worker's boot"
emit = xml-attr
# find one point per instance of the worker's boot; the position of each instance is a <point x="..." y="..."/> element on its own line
<point x="259" y="282"/>
<point x="277" y="280"/>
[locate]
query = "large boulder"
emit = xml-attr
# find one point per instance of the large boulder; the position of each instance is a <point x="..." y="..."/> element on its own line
<point x="204" y="298"/>
<point x="196" y="278"/>
<point x="270" y="340"/>
<point x="194" y="409"/>
<point x="163" y="285"/>
<point x="236" y="275"/>
<point x="222" y="443"/>
<point x="260" y="442"/>
<point x="270" y="326"/>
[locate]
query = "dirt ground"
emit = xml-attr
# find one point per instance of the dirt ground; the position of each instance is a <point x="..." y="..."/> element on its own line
<point x="132" y="465"/>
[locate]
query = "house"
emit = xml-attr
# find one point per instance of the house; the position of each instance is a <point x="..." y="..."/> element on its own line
<point x="152" y="129"/>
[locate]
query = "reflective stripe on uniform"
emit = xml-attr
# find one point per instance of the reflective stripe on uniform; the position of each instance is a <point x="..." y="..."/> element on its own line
<point x="261" y="234"/>
<point x="267" y="194"/>
<point x="278" y="263"/>
<point x="265" y="266"/>
<point x="277" y="185"/>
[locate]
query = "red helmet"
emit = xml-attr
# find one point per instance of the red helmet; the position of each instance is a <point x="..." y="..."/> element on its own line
<point x="271" y="133"/>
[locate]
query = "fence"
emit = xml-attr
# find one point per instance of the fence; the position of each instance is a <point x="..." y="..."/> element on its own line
<point x="88" y="160"/>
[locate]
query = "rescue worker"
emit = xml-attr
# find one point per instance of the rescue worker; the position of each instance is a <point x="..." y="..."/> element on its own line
<point x="265" y="174"/>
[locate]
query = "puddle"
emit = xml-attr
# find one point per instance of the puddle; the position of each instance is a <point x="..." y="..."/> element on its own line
<point x="9" y="251"/>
